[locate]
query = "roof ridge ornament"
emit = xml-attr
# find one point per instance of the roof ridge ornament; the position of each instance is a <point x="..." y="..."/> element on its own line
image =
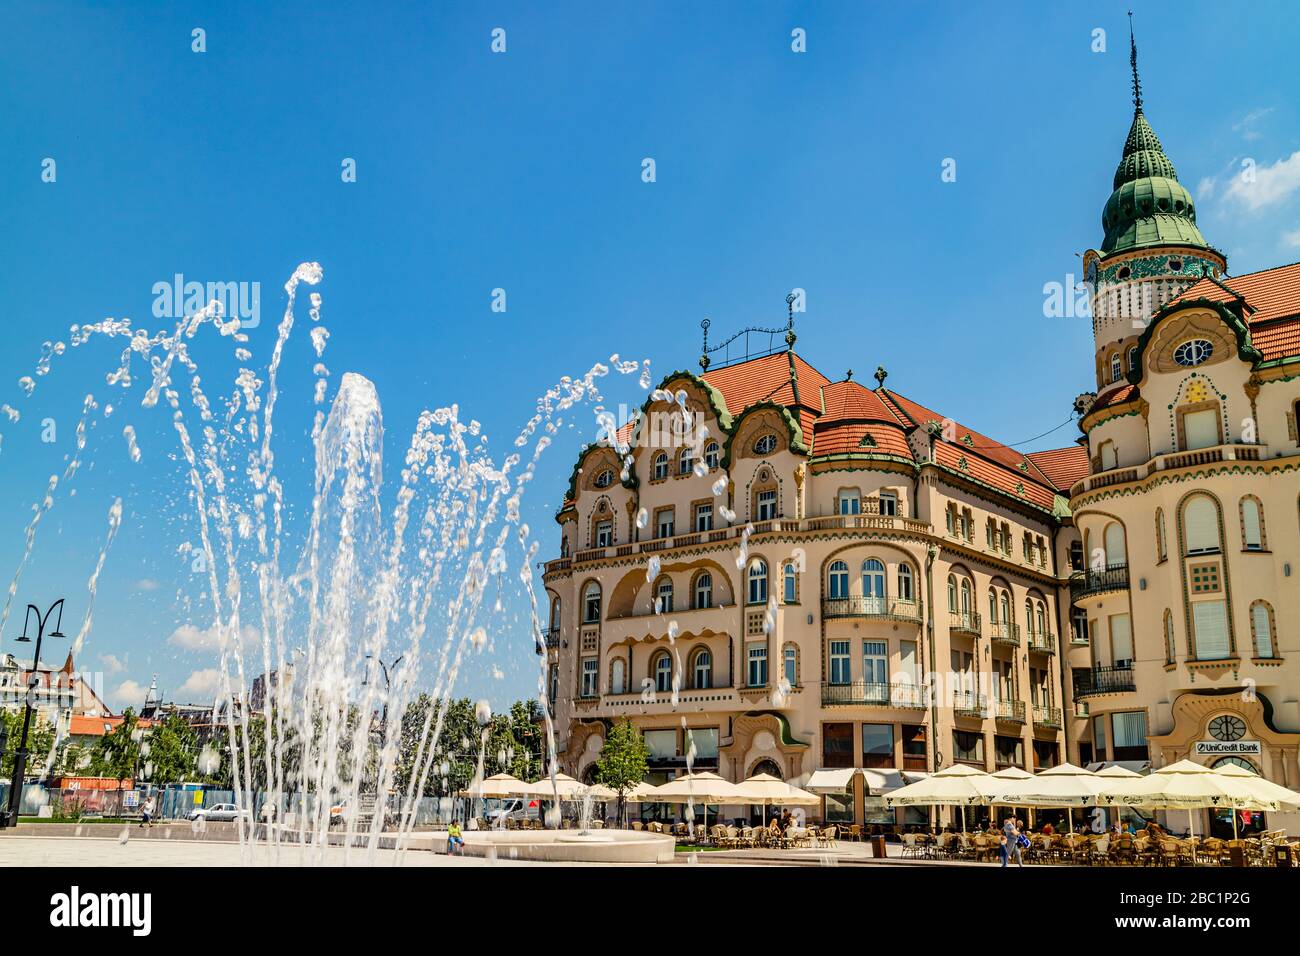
<point x="747" y="354"/>
<point x="1133" y="62"/>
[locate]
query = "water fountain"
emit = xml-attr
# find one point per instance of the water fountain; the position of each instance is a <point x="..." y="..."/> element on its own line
<point x="368" y="571"/>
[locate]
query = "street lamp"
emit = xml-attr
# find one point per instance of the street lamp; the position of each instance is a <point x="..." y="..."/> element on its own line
<point x="388" y="684"/>
<point x="20" y="757"/>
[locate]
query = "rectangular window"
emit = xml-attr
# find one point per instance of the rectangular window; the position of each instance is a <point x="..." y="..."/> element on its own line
<point x="664" y="522"/>
<point x="850" y="503"/>
<point x="604" y="534"/>
<point x="661" y="744"/>
<point x="590" y="667"/>
<point x="877" y="745"/>
<point x="1045" y="754"/>
<point x="968" y="747"/>
<point x="907" y="660"/>
<point x="837" y="745"/>
<point x="951" y="519"/>
<point x="791" y="667"/>
<point x="703" y="518"/>
<point x="1201" y="429"/>
<point x="1079" y="626"/>
<point x="875" y="663"/>
<point x="766" y="505"/>
<point x="1121" y="640"/>
<point x="1210" y="619"/>
<point x="888" y="503"/>
<point x="1130" y="735"/>
<point x="1099" y="736"/>
<point x="840" y="662"/>
<point x="914" y="746"/>
<point x="757" y="672"/>
<point x="1205" y="578"/>
<point x="1008" y="751"/>
<point x="705" y="740"/>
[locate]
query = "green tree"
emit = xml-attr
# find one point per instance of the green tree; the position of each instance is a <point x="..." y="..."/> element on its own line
<point x="173" y="751"/>
<point x="40" y="738"/>
<point x="623" y="761"/>
<point x="117" y="754"/>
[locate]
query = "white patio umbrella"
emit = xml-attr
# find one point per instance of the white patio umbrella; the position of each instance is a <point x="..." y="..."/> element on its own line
<point x="1187" y="785"/>
<point x="764" y="788"/>
<point x="956" y="786"/>
<point x="642" y="793"/>
<point x="1262" y="789"/>
<point x="1064" y="785"/>
<point x="704" y="787"/>
<point x="497" y="786"/>
<point x="565" y="786"/>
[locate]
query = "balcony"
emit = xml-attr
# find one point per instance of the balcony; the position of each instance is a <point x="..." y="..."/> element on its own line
<point x="1097" y="582"/>
<point x="697" y="700"/>
<point x="964" y="622"/>
<point x="865" y="694"/>
<point x="1090" y="682"/>
<point x="1171" y="462"/>
<point x="1048" y="717"/>
<point x="889" y="609"/>
<point x="1042" y="642"/>
<point x="551" y="637"/>
<point x="1005" y="632"/>
<point x="1009" y="711"/>
<point x="966" y="703"/>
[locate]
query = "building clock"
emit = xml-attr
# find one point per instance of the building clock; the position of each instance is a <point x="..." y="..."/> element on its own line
<point x="1227" y="727"/>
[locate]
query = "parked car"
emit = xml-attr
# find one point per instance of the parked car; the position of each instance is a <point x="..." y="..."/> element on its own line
<point x="219" y="813"/>
<point x="511" y="810"/>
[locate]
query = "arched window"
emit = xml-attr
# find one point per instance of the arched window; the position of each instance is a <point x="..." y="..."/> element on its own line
<point x="664" y="596"/>
<point x="756" y="592"/>
<point x="790" y="583"/>
<point x="1115" y="552"/>
<point x="1162" y="550"/>
<point x="661" y="466"/>
<point x="993" y="607"/>
<point x="873" y="586"/>
<point x="1004" y="605"/>
<point x="790" y="659"/>
<point x="1115" y="367"/>
<point x="839" y="581"/>
<point x="617" y="683"/>
<point x="591" y="603"/>
<point x="1261" y="628"/>
<point x="1029" y="616"/>
<point x="704" y="590"/>
<point x="1169" y="637"/>
<point x="966" y="596"/>
<point x="765" y="445"/>
<point x="1040" y="618"/>
<point x="711" y="454"/>
<point x="952" y="594"/>
<point x="555" y="614"/>
<point x="1252" y="524"/>
<point x="664" y="673"/>
<point x="605" y="479"/>
<point x="703" y="669"/>
<point x="685" y="461"/>
<point x="1132" y="357"/>
<point x="905" y="582"/>
<point x="1201" y="525"/>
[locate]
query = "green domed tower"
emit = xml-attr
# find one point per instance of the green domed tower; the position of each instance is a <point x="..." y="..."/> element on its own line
<point x="1152" y="249"/>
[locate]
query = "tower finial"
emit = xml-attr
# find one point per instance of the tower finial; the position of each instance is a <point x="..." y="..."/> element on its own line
<point x="789" y="322"/>
<point x="1133" y="61"/>
<point x="704" y="355"/>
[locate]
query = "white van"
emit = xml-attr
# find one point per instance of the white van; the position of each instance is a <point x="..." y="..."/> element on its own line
<point x="514" y="808"/>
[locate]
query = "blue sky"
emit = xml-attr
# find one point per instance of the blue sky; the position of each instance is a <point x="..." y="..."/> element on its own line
<point x="522" y="171"/>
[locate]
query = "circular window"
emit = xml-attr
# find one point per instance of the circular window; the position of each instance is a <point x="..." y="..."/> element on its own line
<point x="1227" y="727"/>
<point x="765" y="445"/>
<point x="1175" y="265"/>
<point x="1193" y="352"/>
<point x="1124" y="273"/>
<point x="605" y="479"/>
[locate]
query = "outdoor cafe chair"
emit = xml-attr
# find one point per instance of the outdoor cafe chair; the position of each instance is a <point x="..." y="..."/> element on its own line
<point x="636" y="825"/>
<point x="826" y="837"/>
<point x="855" y="832"/>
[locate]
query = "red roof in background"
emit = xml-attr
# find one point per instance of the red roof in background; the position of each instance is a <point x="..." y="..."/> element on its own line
<point x="1114" y="397"/>
<point x="1272" y="300"/>
<point x="852" y="400"/>
<point x="83" y="726"/>
<point x="1062" y="466"/>
<point x="766" y="379"/>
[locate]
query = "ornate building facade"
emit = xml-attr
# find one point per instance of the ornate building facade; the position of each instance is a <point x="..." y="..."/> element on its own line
<point x="773" y="571"/>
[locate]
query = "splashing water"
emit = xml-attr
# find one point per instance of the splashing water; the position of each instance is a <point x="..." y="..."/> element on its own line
<point x="376" y="568"/>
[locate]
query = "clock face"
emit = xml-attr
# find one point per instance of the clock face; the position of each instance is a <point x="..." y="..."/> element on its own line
<point x="1227" y="727"/>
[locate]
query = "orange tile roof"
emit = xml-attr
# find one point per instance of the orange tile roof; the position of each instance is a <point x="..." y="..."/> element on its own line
<point x="82" y="726"/>
<point x="1115" y="396"/>
<point x="852" y="400"/>
<point x="767" y="379"/>
<point x="847" y="437"/>
<point x="1272" y="299"/>
<point x="1062" y="466"/>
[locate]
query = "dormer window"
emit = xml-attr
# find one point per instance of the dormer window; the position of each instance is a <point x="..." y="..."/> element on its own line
<point x="605" y="479"/>
<point x="765" y="445"/>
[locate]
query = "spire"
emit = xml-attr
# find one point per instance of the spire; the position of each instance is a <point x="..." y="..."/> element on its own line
<point x="1133" y="62"/>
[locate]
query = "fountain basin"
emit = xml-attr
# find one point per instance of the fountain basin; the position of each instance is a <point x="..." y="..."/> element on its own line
<point x="569" y="846"/>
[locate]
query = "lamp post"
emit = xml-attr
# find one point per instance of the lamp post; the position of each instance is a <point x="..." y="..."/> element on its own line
<point x="388" y="684"/>
<point x="20" y="756"/>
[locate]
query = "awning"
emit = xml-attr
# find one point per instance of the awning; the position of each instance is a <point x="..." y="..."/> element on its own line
<point x="1137" y="766"/>
<point x="877" y="782"/>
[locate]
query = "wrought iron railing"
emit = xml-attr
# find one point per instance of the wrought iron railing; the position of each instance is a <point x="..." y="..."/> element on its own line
<point x="1012" y="711"/>
<point x="895" y="609"/>
<point x="964" y="622"/>
<point x="870" y="694"/>
<point x="1098" y="581"/>
<point x="1091" y="681"/>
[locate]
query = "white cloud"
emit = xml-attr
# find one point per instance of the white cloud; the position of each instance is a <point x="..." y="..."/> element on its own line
<point x="112" y="664"/>
<point x="1258" y="186"/>
<point x="1292" y="238"/>
<point x="1206" y="187"/>
<point x="192" y="638"/>
<point x="128" y="693"/>
<point x="1246" y="125"/>
<point x="146" y="584"/>
<point x="202" y="685"/>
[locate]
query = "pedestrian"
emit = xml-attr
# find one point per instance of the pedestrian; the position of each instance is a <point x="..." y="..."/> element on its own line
<point x="455" y="842"/>
<point x="146" y="814"/>
<point x="1011" y="843"/>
